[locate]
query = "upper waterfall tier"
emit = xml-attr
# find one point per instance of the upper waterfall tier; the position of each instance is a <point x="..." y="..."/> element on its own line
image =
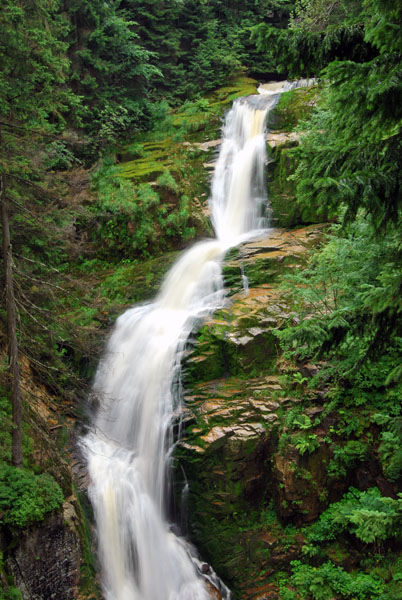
<point x="238" y="200"/>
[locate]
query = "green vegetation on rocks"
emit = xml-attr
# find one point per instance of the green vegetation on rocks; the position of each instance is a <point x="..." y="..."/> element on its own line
<point x="26" y="498"/>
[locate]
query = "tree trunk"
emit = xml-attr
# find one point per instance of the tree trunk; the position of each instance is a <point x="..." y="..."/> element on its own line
<point x="14" y="369"/>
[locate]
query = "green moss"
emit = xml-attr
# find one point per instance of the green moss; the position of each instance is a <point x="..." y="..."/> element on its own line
<point x="88" y="570"/>
<point x="224" y="96"/>
<point x="130" y="283"/>
<point x="282" y="189"/>
<point x="194" y="122"/>
<point x="292" y="107"/>
<point x="142" y="169"/>
<point x="216" y="354"/>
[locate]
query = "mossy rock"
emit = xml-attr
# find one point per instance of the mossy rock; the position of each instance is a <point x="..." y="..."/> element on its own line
<point x="225" y="457"/>
<point x="237" y="88"/>
<point x="282" y="189"/>
<point x="292" y="107"/>
<point x="136" y="282"/>
<point x="224" y="350"/>
<point x="151" y="157"/>
<point x="286" y="212"/>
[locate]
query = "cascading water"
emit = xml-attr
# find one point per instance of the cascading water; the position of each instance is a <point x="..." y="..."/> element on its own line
<point x="131" y="442"/>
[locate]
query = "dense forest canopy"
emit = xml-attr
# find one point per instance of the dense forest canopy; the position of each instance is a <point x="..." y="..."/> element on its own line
<point x="128" y="56"/>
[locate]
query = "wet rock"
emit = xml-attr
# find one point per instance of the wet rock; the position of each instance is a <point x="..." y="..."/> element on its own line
<point x="265" y="260"/>
<point x="301" y="483"/>
<point x="213" y="592"/>
<point x="234" y="393"/>
<point x="46" y="562"/>
<point x="283" y="137"/>
<point x="239" y="338"/>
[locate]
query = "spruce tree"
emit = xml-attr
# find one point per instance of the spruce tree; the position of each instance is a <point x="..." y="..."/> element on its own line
<point x="32" y="102"/>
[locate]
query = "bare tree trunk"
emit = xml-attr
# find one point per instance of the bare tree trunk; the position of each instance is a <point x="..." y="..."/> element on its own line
<point x="14" y="369"/>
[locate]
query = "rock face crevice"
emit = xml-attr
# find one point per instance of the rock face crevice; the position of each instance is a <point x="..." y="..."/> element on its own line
<point x="46" y="562"/>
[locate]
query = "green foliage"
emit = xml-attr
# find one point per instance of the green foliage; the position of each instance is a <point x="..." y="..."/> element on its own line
<point x="167" y="181"/>
<point x="390" y="449"/>
<point x="361" y="46"/>
<point x="297" y="426"/>
<point x="26" y="498"/>
<point x="344" y="301"/>
<point x="304" y="53"/>
<point x="5" y="427"/>
<point x="329" y="581"/>
<point x="8" y="591"/>
<point x="11" y="593"/>
<point x="129" y="220"/>
<point x="292" y="107"/>
<point x="111" y="68"/>
<point x="34" y="65"/>
<point x="60" y="157"/>
<point x="346" y="456"/>
<point x="367" y="515"/>
<point x="128" y="56"/>
<point x="319" y="15"/>
<point x="350" y="160"/>
<point x="296" y="419"/>
<point x="306" y="442"/>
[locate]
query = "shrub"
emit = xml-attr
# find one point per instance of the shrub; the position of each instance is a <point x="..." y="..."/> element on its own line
<point x="26" y="498"/>
<point x="328" y="581"/>
<point x="367" y="515"/>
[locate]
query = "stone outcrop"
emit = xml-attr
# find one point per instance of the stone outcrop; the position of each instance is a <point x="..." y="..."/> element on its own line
<point x="239" y="338"/>
<point x="283" y="137"/>
<point x="46" y="562"/>
<point x="234" y="417"/>
<point x="259" y="456"/>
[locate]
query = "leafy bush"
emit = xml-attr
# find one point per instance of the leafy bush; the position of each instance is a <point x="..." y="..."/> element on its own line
<point x="306" y="443"/>
<point x="329" y="581"/>
<point x="345" y="456"/>
<point x="12" y="593"/>
<point x="26" y="498"/>
<point x="390" y="450"/>
<point x="367" y="515"/>
<point x="342" y="302"/>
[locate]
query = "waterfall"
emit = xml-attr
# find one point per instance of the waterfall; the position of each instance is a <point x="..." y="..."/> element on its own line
<point x="130" y="444"/>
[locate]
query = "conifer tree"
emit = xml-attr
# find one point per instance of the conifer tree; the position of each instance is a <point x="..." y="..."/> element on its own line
<point x="111" y="68"/>
<point x="32" y="102"/>
<point x="349" y="166"/>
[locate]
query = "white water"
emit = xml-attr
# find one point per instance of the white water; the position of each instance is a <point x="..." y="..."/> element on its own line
<point x="130" y="446"/>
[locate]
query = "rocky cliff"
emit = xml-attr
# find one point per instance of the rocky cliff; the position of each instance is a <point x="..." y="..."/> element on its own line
<point x="237" y="405"/>
<point x="264" y="455"/>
